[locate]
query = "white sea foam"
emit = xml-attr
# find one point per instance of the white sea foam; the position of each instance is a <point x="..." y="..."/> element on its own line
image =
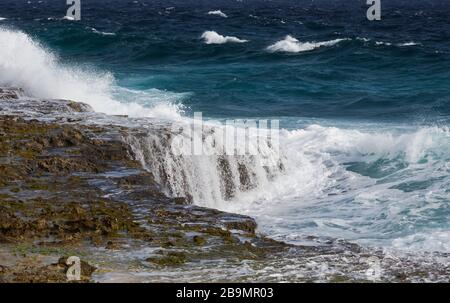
<point x="94" y="30"/>
<point x="411" y="43"/>
<point x="1" y="18"/>
<point x="373" y="181"/>
<point x="378" y="43"/>
<point x="363" y="39"/>
<point x="218" y="13"/>
<point x="397" y="44"/>
<point x="292" y="45"/>
<point x="27" y="64"/>
<point x="69" y="18"/>
<point x="430" y="241"/>
<point x="383" y="43"/>
<point x="211" y="37"/>
<point x="331" y="182"/>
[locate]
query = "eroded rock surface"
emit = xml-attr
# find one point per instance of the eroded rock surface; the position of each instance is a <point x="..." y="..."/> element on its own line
<point x="65" y="185"/>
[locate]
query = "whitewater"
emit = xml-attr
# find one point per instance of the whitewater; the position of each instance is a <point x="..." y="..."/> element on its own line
<point x="292" y="45"/>
<point x="25" y="63"/>
<point x="382" y="185"/>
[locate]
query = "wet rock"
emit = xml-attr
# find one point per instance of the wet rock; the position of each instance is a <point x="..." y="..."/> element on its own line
<point x="198" y="240"/>
<point x="168" y="258"/>
<point x="112" y="245"/>
<point x="248" y="225"/>
<point x="64" y="165"/>
<point x="79" y="107"/>
<point x="10" y="93"/>
<point x="32" y="270"/>
<point x="65" y="221"/>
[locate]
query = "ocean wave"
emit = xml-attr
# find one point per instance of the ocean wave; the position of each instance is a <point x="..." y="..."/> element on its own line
<point x="25" y="63"/>
<point x="94" y="30"/>
<point x="324" y="151"/>
<point x="1" y="18"/>
<point x="432" y="240"/>
<point x="386" y="179"/>
<point x="218" y="13"/>
<point x="378" y="43"/>
<point x="212" y="37"/>
<point x="69" y="18"/>
<point x="292" y="45"/>
<point x="412" y="43"/>
<point x="396" y="44"/>
<point x="362" y="39"/>
<point x="383" y="43"/>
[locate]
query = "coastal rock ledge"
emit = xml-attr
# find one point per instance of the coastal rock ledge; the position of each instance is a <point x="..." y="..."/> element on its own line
<point x="71" y="186"/>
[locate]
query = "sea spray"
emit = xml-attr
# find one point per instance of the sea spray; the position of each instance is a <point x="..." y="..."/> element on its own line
<point x="27" y="64"/>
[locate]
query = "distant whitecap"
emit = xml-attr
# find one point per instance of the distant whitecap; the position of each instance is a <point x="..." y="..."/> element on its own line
<point x="292" y="45"/>
<point x="218" y="13"/>
<point x="211" y="37"/>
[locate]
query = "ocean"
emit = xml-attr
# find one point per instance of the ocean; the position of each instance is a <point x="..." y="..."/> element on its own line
<point x="364" y="106"/>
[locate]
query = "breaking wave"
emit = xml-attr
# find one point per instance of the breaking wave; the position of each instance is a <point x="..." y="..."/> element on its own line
<point x="211" y="37"/>
<point x="292" y="45"/>
<point x="95" y="31"/>
<point x="218" y="13"/>
<point x="369" y="186"/>
<point x="25" y="63"/>
<point x="378" y="43"/>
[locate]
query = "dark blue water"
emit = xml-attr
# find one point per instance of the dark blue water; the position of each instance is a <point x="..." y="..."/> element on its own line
<point x="157" y="45"/>
<point x="367" y="103"/>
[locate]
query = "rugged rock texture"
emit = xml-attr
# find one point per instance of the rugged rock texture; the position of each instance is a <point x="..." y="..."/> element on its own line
<point x="66" y="185"/>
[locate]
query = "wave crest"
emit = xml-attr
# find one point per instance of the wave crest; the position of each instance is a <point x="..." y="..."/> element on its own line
<point x="212" y="37"/>
<point x="25" y="63"/>
<point x="291" y="45"/>
<point x="218" y="13"/>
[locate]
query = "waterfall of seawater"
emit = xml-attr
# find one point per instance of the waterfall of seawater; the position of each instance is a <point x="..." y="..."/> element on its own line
<point x="213" y="176"/>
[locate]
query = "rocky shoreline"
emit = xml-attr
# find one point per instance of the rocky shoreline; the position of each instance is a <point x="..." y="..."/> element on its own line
<point x="71" y="187"/>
